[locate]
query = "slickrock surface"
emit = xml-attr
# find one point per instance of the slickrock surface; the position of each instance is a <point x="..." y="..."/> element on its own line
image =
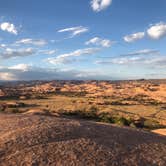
<point x="38" y="140"/>
<point x="160" y="131"/>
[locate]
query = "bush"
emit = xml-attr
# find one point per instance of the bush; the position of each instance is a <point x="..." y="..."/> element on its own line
<point x="15" y="110"/>
<point x="133" y="125"/>
<point x="122" y="121"/>
<point x="105" y="117"/>
<point x="2" y="109"/>
<point x="151" y="124"/>
<point x="92" y="112"/>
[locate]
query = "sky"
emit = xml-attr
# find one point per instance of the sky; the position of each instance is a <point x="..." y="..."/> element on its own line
<point x="82" y="39"/>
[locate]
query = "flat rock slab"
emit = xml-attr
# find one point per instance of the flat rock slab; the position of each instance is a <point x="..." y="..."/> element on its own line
<point x="37" y="140"/>
<point x="160" y="131"/>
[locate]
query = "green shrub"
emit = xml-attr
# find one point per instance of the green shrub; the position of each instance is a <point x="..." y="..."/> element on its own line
<point x="151" y="124"/>
<point x="122" y="121"/>
<point x="15" y="110"/>
<point x="93" y="109"/>
<point x="133" y="125"/>
<point x="2" y="109"/>
<point x="105" y="117"/>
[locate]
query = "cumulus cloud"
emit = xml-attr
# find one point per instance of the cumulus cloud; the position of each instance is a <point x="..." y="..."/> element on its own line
<point x="157" y="31"/>
<point x="3" y="45"/>
<point x="8" y="27"/>
<point x="39" y="73"/>
<point x="75" y="30"/>
<point x="22" y="67"/>
<point x="7" y="76"/>
<point x="98" y="5"/>
<point x="67" y="58"/>
<point x="100" y="42"/>
<point x="35" y="42"/>
<point x="10" y="53"/>
<point x="134" y="37"/>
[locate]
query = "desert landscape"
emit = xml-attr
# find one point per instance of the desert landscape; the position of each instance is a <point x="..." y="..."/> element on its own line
<point x="83" y="122"/>
<point x="82" y="83"/>
<point x="138" y="103"/>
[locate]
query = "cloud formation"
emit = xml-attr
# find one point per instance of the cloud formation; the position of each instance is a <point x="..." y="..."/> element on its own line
<point x="22" y="67"/>
<point x="48" y="52"/>
<point x="143" y="52"/>
<point x="157" y="31"/>
<point x="100" y="42"/>
<point x="75" y="30"/>
<point x="11" y="53"/>
<point x="153" y="60"/>
<point x="7" y="76"/>
<point x="67" y="58"/>
<point x="35" y="42"/>
<point x="17" y="72"/>
<point x="8" y="27"/>
<point x="134" y="37"/>
<point x="98" y="5"/>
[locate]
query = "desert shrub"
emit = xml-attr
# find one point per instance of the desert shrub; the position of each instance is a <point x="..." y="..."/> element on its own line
<point x="15" y="110"/>
<point x="91" y="113"/>
<point x="93" y="110"/>
<point x="2" y="109"/>
<point x="71" y="113"/>
<point x="122" y="121"/>
<point x="133" y="125"/>
<point x="151" y="124"/>
<point x="116" y="103"/>
<point x="22" y="105"/>
<point x="105" y="117"/>
<point x="62" y="111"/>
<point x="71" y="94"/>
<point x="139" y="123"/>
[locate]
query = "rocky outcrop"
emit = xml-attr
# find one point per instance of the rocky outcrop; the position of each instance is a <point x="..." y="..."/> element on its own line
<point x="48" y="141"/>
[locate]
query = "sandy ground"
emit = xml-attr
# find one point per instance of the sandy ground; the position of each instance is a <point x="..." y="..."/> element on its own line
<point x="37" y="140"/>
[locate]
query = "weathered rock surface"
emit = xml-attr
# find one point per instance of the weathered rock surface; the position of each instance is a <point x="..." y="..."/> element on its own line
<point x="45" y="140"/>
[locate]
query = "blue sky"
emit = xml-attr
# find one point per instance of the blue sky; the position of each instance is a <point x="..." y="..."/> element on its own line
<point x="82" y="39"/>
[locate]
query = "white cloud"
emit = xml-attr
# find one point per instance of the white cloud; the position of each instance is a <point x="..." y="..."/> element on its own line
<point x="67" y="58"/>
<point x="75" y="30"/>
<point x="6" y="26"/>
<point x="10" y="53"/>
<point x="138" y="58"/>
<point x="134" y="37"/>
<point x="98" y="5"/>
<point x="131" y="58"/>
<point x="22" y="67"/>
<point x="100" y="42"/>
<point x="157" y="31"/>
<point x="3" y="45"/>
<point x="143" y="52"/>
<point x="28" y="41"/>
<point x="48" y="52"/>
<point x="39" y="73"/>
<point x="126" y="61"/>
<point x="7" y="76"/>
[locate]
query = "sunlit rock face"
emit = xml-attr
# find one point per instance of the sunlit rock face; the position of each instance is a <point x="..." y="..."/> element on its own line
<point x="49" y="140"/>
<point x="1" y="93"/>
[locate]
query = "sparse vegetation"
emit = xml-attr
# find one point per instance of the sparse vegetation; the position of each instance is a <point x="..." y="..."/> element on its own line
<point x="15" y="110"/>
<point x="128" y="103"/>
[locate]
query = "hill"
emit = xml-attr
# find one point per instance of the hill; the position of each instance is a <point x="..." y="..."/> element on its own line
<point x="48" y="140"/>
